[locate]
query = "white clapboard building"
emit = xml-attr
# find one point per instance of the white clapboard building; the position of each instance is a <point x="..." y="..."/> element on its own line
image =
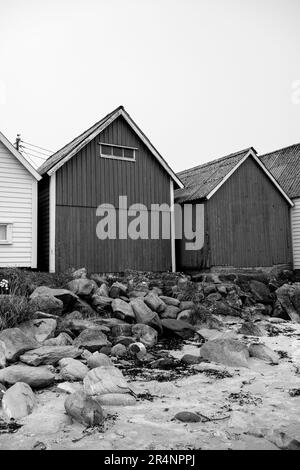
<point x="284" y="164"/>
<point x="18" y="208"/>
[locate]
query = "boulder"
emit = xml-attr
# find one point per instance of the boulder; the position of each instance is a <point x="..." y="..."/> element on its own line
<point x="98" y="359"/>
<point x="119" y="350"/>
<point x="145" y="334"/>
<point x="36" y="377"/>
<point x="188" y="417"/>
<point x="170" y="300"/>
<point x="15" y="343"/>
<point x="289" y="298"/>
<point x="117" y="289"/>
<point x="261" y="292"/>
<point x="101" y="303"/>
<point x="170" y="312"/>
<point x="230" y="352"/>
<point x="178" y="328"/>
<point x="72" y="369"/>
<point x="123" y="310"/>
<point x="39" y="330"/>
<point x="134" y="294"/>
<point x="105" y="379"/>
<point x="76" y="326"/>
<point x="79" y="273"/>
<point x="70" y="387"/>
<point x="2" y="391"/>
<point x="115" y="399"/>
<point x="49" y="355"/>
<point x="190" y="359"/>
<point x="251" y="329"/>
<point x="102" y="290"/>
<point x="92" y="340"/>
<point x="154" y="302"/>
<point x="186" y="315"/>
<point x="144" y="314"/>
<point x="209" y="289"/>
<point x="67" y="297"/>
<point x="18" y="401"/>
<point x="260" y="351"/>
<point x="124" y="329"/>
<point x="125" y="340"/>
<point x="38" y="315"/>
<point x="186" y="305"/>
<point x="214" y="296"/>
<point x="47" y="303"/>
<point x="63" y="339"/>
<point x="84" y="409"/>
<point x="82" y="287"/>
<point x="2" y="356"/>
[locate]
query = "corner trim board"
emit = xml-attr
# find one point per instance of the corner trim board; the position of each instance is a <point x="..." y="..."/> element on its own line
<point x="34" y="226"/>
<point x="52" y="217"/>
<point x="172" y="217"/>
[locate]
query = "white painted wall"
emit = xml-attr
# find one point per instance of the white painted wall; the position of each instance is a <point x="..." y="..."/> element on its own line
<point x="296" y="232"/>
<point x="18" y="206"/>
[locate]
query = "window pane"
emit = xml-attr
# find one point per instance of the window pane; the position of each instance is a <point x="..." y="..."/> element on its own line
<point x="106" y="149"/>
<point x="3" y="232"/>
<point x="117" y="152"/>
<point x="128" y="153"/>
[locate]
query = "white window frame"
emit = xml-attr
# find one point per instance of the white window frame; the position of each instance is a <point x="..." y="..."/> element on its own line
<point x="9" y="233"/>
<point x="114" y="157"/>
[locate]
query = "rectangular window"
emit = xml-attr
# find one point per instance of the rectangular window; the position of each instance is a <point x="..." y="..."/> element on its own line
<point x="118" y="152"/>
<point x="5" y="233"/>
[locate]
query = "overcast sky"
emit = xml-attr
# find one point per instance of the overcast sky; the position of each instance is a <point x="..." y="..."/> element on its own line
<point x="202" y="78"/>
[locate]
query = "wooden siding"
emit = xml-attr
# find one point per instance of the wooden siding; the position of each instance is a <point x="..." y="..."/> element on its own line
<point x="295" y="219"/>
<point x="17" y="206"/>
<point x="43" y="224"/>
<point x="247" y="224"/>
<point x="88" y="180"/>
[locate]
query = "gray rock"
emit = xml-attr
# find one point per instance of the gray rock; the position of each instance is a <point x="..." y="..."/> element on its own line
<point x="80" y="273"/>
<point x="188" y="417"/>
<point x="170" y="312"/>
<point x="47" y="303"/>
<point x="36" y="377"/>
<point x="77" y="325"/>
<point x="125" y="340"/>
<point x="230" y="352"/>
<point x="63" y="339"/>
<point x="260" y="351"/>
<point x="209" y="288"/>
<point x="116" y="399"/>
<point x="82" y="287"/>
<point x="98" y="359"/>
<point x="105" y="379"/>
<point x="2" y="391"/>
<point x="283" y="441"/>
<point x="15" y="343"/>
<point x="178" y="328"/>
<point x="72" y="369"/>
<point x="49" y="355"/>
<point x="39" y="330"/>
<point x="102" y="290"/>
<point x="123" y="329"/>
<point x="134" y="294"/>
<point x="92" y="340"/>
<point x="84" y="409"/>
<point x="2" y="356"/>
<point x="18" y="401"/>
<point x="214" y="296"/>
<point x="144" y="314"/>
<point x="119" y="350"/>
<point x="186" y="305"/>
<point x="154" y="302"/>
<point x="186" y="315"/>
<point x="261" y="292"/>
<point x="101" y="303"/>
<point x="123" y="310"/>
<point x="190" y="359"/>
<point x="67" y="297"/>
<point x="251" y="329"/>
<point x="117" y="289"/>
<point x="170" y="300"/>
<point x="70" y="387"/>
<point x="145" y="334"/>
<point x="289" y="298"/>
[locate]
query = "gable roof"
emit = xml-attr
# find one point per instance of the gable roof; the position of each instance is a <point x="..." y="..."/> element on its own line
<point x="19" y="157"/>
<point x="203" y="181"/>
<point x="58" y="159"/>
<point x="284" y="164"/>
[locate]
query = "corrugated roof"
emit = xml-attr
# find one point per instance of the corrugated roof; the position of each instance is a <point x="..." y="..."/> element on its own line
<point x="284" y="165"/>
<point x="201" y="180"/>
<point x="60" y="154"/>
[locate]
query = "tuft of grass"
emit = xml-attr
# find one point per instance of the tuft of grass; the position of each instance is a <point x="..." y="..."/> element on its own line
<point x="14" y="309"/>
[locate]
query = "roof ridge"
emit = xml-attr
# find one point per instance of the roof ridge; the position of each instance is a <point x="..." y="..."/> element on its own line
<point x="86" y="132"/>
<point x="279" y="150"/>
<point x="216" y="160"/>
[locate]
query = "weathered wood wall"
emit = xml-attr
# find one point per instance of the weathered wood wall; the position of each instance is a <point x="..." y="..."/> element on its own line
<point x="247" y="224"/>
<point x="85" y="182"/>
<point x="43" y="223"/>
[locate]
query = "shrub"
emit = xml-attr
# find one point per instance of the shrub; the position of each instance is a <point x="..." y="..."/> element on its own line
<point x="14" y="309"/>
